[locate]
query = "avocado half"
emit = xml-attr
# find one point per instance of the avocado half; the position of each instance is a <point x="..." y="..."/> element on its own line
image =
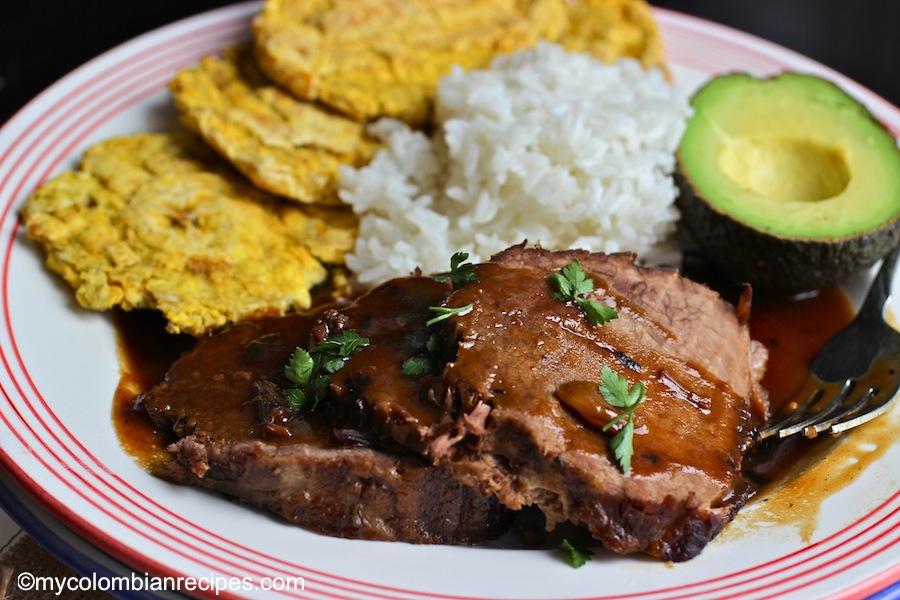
<point x="788" y="183"/>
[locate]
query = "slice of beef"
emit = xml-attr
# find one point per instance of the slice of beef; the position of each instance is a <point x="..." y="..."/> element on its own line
<point x="223" y="402"/>
<point x="371" y="390"/>
<point x="517" y="413"/>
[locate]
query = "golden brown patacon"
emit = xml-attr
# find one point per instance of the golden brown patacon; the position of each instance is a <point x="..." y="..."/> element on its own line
<point x="283" y="145"/>
<point x="159" y="221"/>
<point x="378" y="58"/>
<point x="614" y="29"/>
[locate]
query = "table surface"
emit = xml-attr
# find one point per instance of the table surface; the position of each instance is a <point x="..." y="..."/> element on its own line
<point x="42" y="40"/>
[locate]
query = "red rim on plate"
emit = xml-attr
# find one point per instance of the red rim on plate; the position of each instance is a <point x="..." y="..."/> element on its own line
<point x="75" y="480"/>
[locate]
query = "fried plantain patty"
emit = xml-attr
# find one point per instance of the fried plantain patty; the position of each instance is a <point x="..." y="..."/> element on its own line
<point x="374" y="58"/>
<point x="378" y="58"/>
<point x="159" y="221"/>
<point x="283" y="145"/>
<point x="614" y="29"/>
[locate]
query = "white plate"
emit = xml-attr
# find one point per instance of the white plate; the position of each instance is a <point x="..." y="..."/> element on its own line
<point x="60" y="369"/>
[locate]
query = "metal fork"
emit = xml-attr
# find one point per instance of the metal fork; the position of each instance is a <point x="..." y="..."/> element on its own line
<point x="856" y="374"/>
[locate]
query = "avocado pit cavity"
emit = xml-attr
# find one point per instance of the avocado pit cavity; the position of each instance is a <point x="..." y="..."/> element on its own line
<point x="785" y="169"/>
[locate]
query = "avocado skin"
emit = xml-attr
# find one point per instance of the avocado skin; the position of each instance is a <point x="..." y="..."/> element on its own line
<point x="773" y="263"/>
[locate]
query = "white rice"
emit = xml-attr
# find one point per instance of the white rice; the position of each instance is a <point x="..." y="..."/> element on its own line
<point x="555" y="148"/>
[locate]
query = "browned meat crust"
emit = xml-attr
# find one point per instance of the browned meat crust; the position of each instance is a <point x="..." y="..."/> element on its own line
<point x="351" y="492"/>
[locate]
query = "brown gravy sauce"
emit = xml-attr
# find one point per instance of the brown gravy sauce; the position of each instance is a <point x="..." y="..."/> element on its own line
<point x="145" y="352"/>
<point x="800" y="475"/>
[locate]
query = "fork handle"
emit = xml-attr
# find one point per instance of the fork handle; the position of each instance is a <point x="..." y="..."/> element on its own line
<point x="861" y="341"/>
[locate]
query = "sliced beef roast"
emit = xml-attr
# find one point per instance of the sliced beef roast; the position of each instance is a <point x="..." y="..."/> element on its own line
<point x="515" y="409"/>
<point x="224" y="404"/>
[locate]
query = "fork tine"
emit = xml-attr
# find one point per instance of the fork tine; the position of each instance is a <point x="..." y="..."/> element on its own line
<point x="827" y="420"/>
<point x="801" y="410"/>
<point x="848" y="421"/>
<point x="836" y="401"/>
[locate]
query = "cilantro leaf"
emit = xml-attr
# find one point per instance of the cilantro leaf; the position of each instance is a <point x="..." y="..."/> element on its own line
<point x="343" y="344"/>
<point x="614" y="387"/>
<point x="310" y="371"/>
<point x="577" y="556"/>
<point x="571" y="283"/>
<point x="445" y="312"/>
<point x="435" y="344"/>
<point x="575" y="275"/>
<point x="597" y="314"/>
<point x="616" y="392"/>
<point x="414" y="366"/>
<point x="622" y="445"/>
<point x="296" y="398"/>
<point x="563" y="289"/>
<point x="438" y="349"/>
<point x="300" y="367"/>
<point x="461" y="272"/>
<point x="333" y="364"/>
<point x="435" y="349"/>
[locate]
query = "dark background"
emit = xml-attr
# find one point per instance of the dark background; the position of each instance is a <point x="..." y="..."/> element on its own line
<point x="42" y="40"/>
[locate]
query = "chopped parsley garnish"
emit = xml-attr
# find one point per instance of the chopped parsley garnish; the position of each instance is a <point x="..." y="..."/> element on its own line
<point x="615" y="390"/>
<point x="310" y="371"/>
<point x="420" y="364"/>
<point x="571" y="283"/>
<point x="437" y="347"/>
<point x="577" y="556"/>
<point x="461" y="272"/>
<point x="437" y="350"/>
<point x="445" y="312"/>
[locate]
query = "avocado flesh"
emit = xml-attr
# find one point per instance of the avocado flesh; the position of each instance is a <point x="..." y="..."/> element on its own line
<point x="785" y="175"/>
